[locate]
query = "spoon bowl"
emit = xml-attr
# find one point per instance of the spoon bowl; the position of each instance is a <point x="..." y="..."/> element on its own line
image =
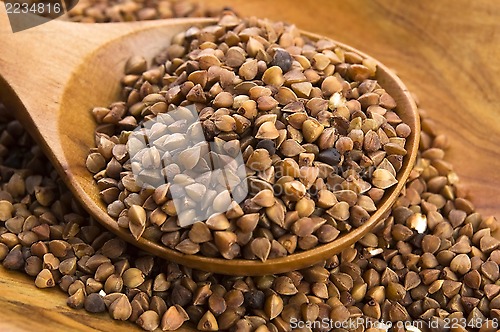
<point x="54" y="74"/>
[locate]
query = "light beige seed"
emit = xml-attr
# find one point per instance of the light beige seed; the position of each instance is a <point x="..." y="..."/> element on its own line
<point x="45" y="279"/>
<point x="276" y="214"/>
<point x="225" y="123"/>
<point x="340" y="211"/>
<point x="393" y="148"/>
<point x="431" y="243"/>
<point x="68" y="266"/>
<point x="208" y="322"/>
<point x="266" y="103"/>
<point x="284" y="285"/>
<point x="383" y="179"/>
<point x="265" y="117"/>
<point x="173" y="319"/>
<point x="224" y="240"/>
<point x="136" y="65"/>
<point x="259" y="160"/>
<point x="77" y="300"/>
<point x="297" y="119"/>
<point x="403" y="130"/>
<point x="291" y="148"/>
<point x="273" y="306"/>
<point x="273" y="76"/>
<point x="305" y="207"/>
<point x="190" y="157"/>
<point x="433" y="154"/>
<point x="308" y="175"/>
<point x="15" y="224"/>
<point x="490" y="270"/>
<point x="461" y="264"/>
<point x="113" y="284"/>
<point x="208" y="60"/>
<point x="223" y="99"/>
<point x="294" y="190"/>
<point x="133" y="278"/>
<point x="491" y="291"/>
<point x="218" y="222"/>
<point x="200" y="233"/>
<point x="285" y="96"/>
<point x="95" y="162"/>
<point x="136" y="230"/>
<point x="488" y="244"/>
<point x="344" y="144"/>
<point x="6" y="210"/>
<point x="137" y="215"/>
<point x="149" y="320"/>
<point x="264" y="198"/>
<point x="326" y="199"/>
<point x="371" y="141"/>
<point x="331" y="85"/>
<point x="196" y="191"/>
<point x="253" y="47"/>
<point x="199" y="77"/>
<point x="417" y="222"/>
<point x="249" y="69"/>
<point x="50" y="262"/>
<point x="235" y="56"/>
<point x="267" y="130"/>
<point x="302" y="89"/>
<point x="120" y="309"/>
<point x="222" y="201"/>
<point x="261" y="247"/>
<point x="311" y="129"/>
<point x="188" y="247"/>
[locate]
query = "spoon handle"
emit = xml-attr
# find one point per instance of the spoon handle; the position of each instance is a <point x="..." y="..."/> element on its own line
<point x="31" y="76"/>
<point x="37" y="64"/>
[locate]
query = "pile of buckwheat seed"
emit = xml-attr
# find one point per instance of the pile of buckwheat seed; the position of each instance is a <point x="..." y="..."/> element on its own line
<point x="105" y="11"/>
<point x="433" y="259"/>
<point x="320" y="139"/>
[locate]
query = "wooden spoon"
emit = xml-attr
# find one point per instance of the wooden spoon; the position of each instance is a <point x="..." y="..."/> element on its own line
<point x="54" y="74"/>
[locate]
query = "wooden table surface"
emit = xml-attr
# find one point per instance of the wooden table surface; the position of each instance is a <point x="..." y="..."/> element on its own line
<point x="447" y="52"/>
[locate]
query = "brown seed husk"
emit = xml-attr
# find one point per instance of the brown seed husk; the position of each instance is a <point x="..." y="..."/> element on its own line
<point x="273" y="306"/>
<point x="148" y="321"/>
<point x="261" y="247"/>
<point x="120" y="309"/>
<point x="173" y="319"/>
<point x="45" y="279"/>
<point x="133" y="278"/>
<point x="208" y="322"/>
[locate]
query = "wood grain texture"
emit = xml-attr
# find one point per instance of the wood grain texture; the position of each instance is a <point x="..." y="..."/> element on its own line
<point x="445" y="51"/>
<point x="27" y="308"/>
